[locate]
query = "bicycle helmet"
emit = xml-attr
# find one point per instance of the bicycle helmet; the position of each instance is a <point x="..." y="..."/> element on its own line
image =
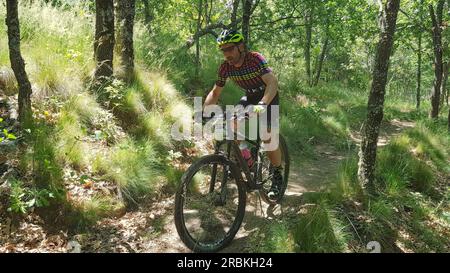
<point x="229" y="36"/>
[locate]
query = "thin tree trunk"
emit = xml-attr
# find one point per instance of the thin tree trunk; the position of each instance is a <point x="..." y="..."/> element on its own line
<point x="308" y="41"/>
<point x="321" y="60"/>
<point x="119" y="16"/>
<point x="371" y="128"/>
<point x="437" y="43"/>
<point x="126" y="26"/>
<point x="104" y="38"/>
<point x="197" y="40"/>
<point x="234" y="14"/>
<point x="444" y="83"/>
<point x="208" y="11"/>
<point x="17" y="62"/>
<point x="247" y="9"/>
<point x="419" y="61"/>
<point x="419" y="72"/>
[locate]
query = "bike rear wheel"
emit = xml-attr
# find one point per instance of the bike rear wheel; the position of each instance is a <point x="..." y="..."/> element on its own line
<point x="209" y="204"/>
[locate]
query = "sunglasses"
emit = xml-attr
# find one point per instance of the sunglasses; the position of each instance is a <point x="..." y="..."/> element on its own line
<point x="228" y="49"/>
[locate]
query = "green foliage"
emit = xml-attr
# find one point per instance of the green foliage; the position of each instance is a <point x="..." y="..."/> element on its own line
<point x="111" y="93"/>
<point x="173" y="177"/>
<point x="347" y="186"/>
<point x="5" y="134"/>
<point x="41" y="160"/>
<point x="319" y="231"/>
<point x="22" y="199"/>
<point x="409" y="191"/>
<point x="317" y="115"/>
<point x="96" y="121"/>
<point x="278" y="239"/>
<point x="90" y="211"/>
<point x="394" y="166"/>
<point x="303" y="127"/>
<point x="431" y="142"/>
<point x="134" y="166"/>
<point x="72" y="149"/>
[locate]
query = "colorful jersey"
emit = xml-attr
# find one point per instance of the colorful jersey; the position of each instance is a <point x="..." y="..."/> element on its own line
<point x="248" y="76"/>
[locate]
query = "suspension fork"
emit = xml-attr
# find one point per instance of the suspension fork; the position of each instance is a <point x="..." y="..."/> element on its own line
<point x="225" y="173"/>
<point x="212" y="183"/>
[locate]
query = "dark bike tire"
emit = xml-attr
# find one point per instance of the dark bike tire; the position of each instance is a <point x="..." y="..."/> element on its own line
<point x="179" y="201"/>
<point x="285" y="155"/>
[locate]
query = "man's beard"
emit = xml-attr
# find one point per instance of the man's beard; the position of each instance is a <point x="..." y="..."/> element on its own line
<point x="231" y="61"/>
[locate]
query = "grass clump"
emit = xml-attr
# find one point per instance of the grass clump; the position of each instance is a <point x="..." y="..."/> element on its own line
<point x="319" y="230"/>
<point x="134" y="166"/>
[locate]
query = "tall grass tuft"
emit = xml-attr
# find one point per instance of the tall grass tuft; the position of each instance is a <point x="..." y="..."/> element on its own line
<point x="319" y="230"/>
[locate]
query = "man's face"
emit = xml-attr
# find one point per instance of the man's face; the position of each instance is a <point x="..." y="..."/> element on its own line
<point x="231" y="53"/>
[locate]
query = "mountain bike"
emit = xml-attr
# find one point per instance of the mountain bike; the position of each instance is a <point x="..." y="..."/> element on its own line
<point x="211" y="199"/>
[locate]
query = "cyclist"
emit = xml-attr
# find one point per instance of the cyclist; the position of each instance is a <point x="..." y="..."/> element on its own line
<point x="250" y="71"/>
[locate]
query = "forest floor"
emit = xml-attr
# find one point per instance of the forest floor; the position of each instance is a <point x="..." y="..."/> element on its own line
<point x="151" y="228"/>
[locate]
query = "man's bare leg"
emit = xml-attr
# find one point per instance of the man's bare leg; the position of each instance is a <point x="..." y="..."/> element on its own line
<point x="275" y="157"/>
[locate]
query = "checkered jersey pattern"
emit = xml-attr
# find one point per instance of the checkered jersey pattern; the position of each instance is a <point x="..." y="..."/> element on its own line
<point x="248" y="76"/>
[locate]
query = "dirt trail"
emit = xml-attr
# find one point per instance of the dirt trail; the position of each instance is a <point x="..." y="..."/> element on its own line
<point x="309" y="176"/>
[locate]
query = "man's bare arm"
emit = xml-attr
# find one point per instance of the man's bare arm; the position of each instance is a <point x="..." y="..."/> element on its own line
<point x="213" y="96"/>
<point x="271" y="87"/>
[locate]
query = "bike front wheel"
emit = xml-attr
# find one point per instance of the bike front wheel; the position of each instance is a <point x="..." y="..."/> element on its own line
<point x="209" y="204"/>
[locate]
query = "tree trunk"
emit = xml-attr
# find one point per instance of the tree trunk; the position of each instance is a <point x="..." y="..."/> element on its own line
<point x="308" y="41"/>
<point x="321" y="60"/>
<point x="126" y="16"/>
<point x="234" y="14"/>
<point x="208" y="11"/>
<point x="419" y="61"/>
<point x="419" y="72"/>
<point x="197" y="40"/>
<point x="119" y="15"/>
<point x="104" y="38"/>
<point x="444" y="84"/>
<point x="437" y="43"/>
<point x="247" y="9"/>
<point x="17" y="63"/>
<point x="368" y="151"/>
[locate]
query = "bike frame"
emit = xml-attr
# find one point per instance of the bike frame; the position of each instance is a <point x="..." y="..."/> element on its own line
<point x="232" y="147"/>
